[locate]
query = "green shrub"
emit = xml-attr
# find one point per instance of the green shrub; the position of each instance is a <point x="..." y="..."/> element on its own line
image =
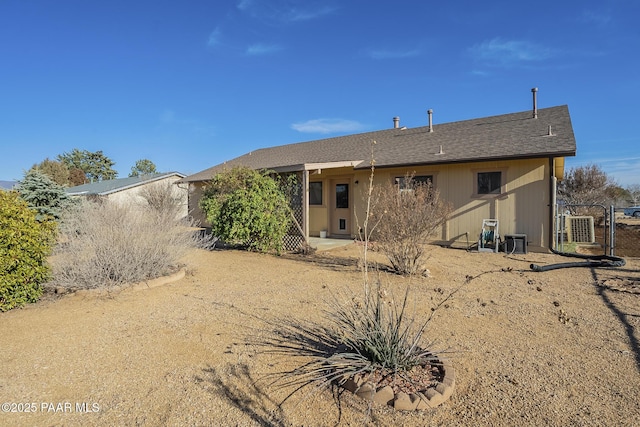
<point x="247" y="207"/>
<point x="25" y="244"/>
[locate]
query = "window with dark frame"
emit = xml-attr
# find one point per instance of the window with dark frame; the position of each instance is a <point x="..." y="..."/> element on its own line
<point x="315" y="193"/>
<point x="417" y="180"/>
<point x="342" y="196"/>
<point x="489" y="182"/>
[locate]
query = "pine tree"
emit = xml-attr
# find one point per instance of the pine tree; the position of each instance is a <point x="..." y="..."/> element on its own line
<point x="43" y="195"/>
<point x="143" y="167"/>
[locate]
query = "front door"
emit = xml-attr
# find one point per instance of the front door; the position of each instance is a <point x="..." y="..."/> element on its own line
<point x="340" y="215"/>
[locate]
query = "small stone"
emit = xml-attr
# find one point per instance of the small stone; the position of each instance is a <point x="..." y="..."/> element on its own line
<point x="403" y="402"/>
<point x="538" y="288"/>
<point x="441" y="388"/>
<point x="423" y="402"/>
<point x="366" y="391"/>
<point x="556" y="303"/>
<point x="384" y="396"/>
<point x="434" y="397"/>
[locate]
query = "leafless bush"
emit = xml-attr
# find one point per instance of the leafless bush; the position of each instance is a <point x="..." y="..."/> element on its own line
<point x="164" y="198"/>
<point x="406" y="214"/>
<point x="106" y="244"/>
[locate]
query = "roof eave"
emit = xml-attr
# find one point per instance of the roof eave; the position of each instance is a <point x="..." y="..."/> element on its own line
<point x="472" y="160"/>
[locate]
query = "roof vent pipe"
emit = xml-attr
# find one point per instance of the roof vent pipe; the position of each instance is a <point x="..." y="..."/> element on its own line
<point x="396" y="122"/>
<point x="430" y="112"/>
<point x="534" y="91"/>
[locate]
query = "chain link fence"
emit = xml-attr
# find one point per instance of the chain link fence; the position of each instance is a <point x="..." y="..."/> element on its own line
<point x="596" y="230"/>
<point x="627" y="234"/>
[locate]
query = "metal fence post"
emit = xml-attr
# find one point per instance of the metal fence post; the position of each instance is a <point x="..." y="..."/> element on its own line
<point x="612" y="230"/>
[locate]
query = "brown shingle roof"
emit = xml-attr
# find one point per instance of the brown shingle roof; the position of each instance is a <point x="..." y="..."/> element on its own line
<point x="515" y="135"/>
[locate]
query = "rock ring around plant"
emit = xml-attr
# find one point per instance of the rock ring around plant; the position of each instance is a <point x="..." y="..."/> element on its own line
<point x="421" y="398"/>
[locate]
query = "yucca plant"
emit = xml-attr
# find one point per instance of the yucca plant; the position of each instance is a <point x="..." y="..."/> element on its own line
<point x="372" y="337"/>
<point x="368" y="335"/>
<point x="379" y="332"/>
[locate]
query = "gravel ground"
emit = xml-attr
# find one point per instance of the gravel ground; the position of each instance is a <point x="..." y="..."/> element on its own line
<point x="556" y="348"/>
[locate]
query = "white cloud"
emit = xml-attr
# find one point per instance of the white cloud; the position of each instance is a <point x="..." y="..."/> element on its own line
<point x="214" y="37"/>
<point x="600" y="19"/>
<point x="284" y="10"/>
<point x="392" y="54"/>
<point x="263" y="49"/>
<point x="326" y="126"/>
<point x="498" y="51"/>
<point x="169" y="120"/>
<point x="296" y="15"/>
<point x="245" y="4"/>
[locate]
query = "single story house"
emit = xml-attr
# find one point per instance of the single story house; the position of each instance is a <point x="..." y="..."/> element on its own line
<point x="128" y="190"/>
<point x="502" y="167"/>
<point x="8" y="185"/>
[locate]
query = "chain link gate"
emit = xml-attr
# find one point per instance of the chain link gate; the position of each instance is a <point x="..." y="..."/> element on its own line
<point x="585" y="229"/>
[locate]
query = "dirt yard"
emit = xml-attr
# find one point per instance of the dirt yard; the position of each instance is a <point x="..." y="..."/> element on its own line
<point x="556" y="348"/>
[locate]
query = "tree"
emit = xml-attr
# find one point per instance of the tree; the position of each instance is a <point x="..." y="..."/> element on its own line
<point x="587" y="185"/>
<point x="96" y="166"/>
<point x="143" y="167"/>
<point x="634" y="194"/>
<point x="56" y="170"/>
<point x="247" y="207"/>
<point x="77" y="177"/>
<point x="25" y="244"/>
<point x="44" y="196"/>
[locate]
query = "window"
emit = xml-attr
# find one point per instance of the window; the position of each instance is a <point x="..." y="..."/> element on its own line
<point x="418" y="179"/>
<point x="315" y="193"/>
<point x="489" y="182"/>
<point x="342" y="196"/>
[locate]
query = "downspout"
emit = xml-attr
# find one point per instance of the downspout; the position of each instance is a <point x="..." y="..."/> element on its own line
<point x="305" y="205"/>
<point x="553" y="186"/>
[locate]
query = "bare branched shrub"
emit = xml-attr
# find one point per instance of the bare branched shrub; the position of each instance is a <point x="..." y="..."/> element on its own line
<point x="406" y="214"/>
<point x="164" y="198"/>
<point x="106" y="244"/>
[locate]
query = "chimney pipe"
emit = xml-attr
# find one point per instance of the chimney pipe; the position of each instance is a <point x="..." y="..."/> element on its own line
<point x="430" y="112"/>
<point x="396" y="122"/>
<point x="534" y="91"/>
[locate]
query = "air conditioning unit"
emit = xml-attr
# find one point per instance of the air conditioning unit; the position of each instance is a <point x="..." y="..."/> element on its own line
<point x="580" y="229"/>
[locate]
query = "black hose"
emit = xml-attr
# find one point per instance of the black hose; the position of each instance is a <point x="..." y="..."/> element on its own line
<point x="606" y="261"/>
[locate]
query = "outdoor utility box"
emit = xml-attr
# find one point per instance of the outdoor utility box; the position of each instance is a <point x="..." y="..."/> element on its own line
<point x="515" y="243"/>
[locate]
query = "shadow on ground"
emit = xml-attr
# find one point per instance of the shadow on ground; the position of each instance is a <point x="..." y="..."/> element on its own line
<point x="235" y="384"/>
<point x="624" y="318"/>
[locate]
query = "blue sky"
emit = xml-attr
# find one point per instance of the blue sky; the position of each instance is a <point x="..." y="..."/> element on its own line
<point x="190" y="84"/>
